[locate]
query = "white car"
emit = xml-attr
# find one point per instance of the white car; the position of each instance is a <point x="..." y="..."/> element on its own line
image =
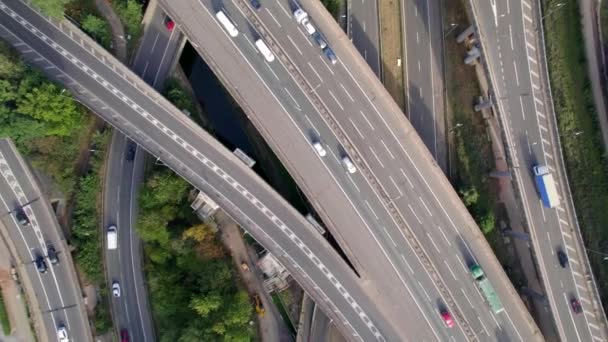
<point x="319" y="148"/>
<point x="348" y="164"/>
<point x="302" y="18"/>
<point x="62" y="334"/>
<point x="116" y="289"/>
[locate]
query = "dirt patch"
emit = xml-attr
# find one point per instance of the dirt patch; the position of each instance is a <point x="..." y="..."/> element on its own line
<point x="391" y="50"/>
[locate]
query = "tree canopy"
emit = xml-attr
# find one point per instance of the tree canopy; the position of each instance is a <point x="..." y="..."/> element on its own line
<point x="192" y="286"/>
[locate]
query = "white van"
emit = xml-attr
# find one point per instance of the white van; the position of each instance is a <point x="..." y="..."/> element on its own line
<point x="228" y="25"/>
<point x="268" y="55"/>
<point x="112" y="237"/>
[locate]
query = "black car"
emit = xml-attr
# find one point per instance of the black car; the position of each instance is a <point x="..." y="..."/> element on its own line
<point x="22" y="217"/>
<point x="255" y="4"/>
<point x="41" y="264"/>
<point x="329" y="53"/>
<point x="562" y="258"/>
<point x="52" y="254"/>
<point x="319" y="40"/>
<point x="131" y="152"/>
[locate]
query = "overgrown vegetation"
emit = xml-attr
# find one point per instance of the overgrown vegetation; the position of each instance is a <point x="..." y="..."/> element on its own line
<point x="87" y="15"/>
<point x="584" y="153"/>
<point x="176" y="94"/>
<point x="4" y="320"/>
<point x="332" y="6"/>
<point x="97" y="28"/>
<point x="472" y="158"/>
<point x="86" y="236"/>
<point x="192" y="288"/>
<point x="46" y="123"/>
<point x="53" y="8"/>
<point x="131" y="14"/>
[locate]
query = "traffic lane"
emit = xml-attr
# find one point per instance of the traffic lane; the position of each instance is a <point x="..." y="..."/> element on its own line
<point x="364" y="32"/>
<point x="548" y="232"/>
<point x="27" y="258"/>
<point x="156" y="54"/>
<point x="117" y="212"/>
<point x="129" y="300"/>
<point x="59" y="286"/>
<point x="234" y="161"/>
<point x="535" y="154"/>
<point x="149" y="52"/>
<point x="137" y="277"/>
<point x="493" y="38"/>
<point x="421" y="64"/>
<point x="26" y="240"/>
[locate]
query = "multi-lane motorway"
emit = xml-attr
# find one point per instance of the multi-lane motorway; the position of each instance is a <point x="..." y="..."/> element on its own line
<point x="56" y="289"/>
<point x="155" y="57"/>
<point x="394" y="193"/>
<point x="513" y="47"/>
<point x="117" y="95"/>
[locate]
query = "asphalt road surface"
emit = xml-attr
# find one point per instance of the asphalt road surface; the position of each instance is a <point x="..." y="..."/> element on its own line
<point x="514" y="56"/>
<point x="423" y="74"/>
<point x="155" y="57"/>
<point x="57" y="290"/>
<point x="394" y="193"/>
<point x="364" y="31"/>
<point x="117" y="95"/>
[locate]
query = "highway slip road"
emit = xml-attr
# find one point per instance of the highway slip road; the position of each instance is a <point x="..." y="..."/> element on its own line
<point x="57" y="290"/>
<point x="515" y="56"/>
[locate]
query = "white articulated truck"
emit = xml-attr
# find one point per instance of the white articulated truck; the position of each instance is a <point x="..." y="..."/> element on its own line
<point x="546" y="186"/>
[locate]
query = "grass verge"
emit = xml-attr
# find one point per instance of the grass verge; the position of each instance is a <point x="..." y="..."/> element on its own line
<point x="4" y="320"/>
<point x="584" y="154"/>
<point x="276" y="299"/>
<point x="471" y="149"/>
<point x="391" y="50"/>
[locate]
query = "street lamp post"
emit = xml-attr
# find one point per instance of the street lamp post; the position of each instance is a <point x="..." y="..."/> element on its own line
<point x="552" y="10"/>
<point x="452" y="28"/>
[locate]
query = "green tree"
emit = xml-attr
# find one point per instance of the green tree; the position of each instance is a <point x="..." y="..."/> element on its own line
<point x="487" y="222"/>
<point x="469" y="196"/>
<point x="97" y="28"/>
<point x="10" y="66"/>
<point x="131" y="15"/>
<point x="52" y="8"/>
<point x="203" y="305"/>
<point x="46" y="103"/>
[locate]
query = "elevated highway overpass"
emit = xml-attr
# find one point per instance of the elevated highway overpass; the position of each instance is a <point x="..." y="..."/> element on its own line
<point x="405" y="208"/>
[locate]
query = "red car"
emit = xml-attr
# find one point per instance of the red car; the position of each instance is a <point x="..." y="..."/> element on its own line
<point x="124" y="335"/>
<point x="576" y="306"/>
<point x="447" y="318"/>
<point x="169" y="24"/>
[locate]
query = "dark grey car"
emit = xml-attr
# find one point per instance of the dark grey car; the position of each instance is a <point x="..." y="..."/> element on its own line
<point x="329" y="53"/>
<point x="319" y="40"/>
<point x="562" y="258"/>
